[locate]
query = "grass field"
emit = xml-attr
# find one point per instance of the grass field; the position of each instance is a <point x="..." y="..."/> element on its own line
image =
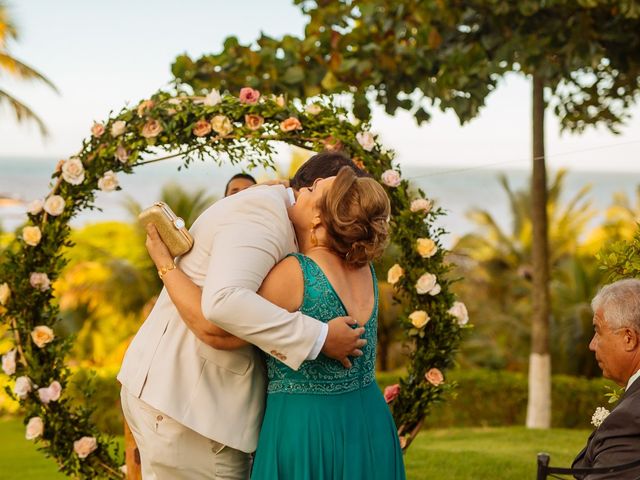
<point x="507" y="453"/>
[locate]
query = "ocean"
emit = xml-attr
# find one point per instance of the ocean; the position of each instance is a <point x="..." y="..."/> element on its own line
<point x="457" y="190"/>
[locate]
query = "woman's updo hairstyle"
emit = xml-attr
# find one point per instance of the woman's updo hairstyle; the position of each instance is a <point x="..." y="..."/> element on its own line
<point x="355" y="212"/>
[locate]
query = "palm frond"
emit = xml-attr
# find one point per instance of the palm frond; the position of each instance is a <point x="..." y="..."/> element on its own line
<point x="22" y="112"/>
<point x="23" y="71"/>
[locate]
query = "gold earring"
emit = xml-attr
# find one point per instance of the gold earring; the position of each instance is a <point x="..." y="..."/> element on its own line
<point x="314" y="239"/>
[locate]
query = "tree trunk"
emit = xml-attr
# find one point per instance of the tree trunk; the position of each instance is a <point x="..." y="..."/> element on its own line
<point x="539" y="403"/>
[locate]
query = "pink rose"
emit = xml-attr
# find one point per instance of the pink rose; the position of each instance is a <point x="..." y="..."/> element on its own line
<point x="202" y="128"/>
<point x="391" y="392"/>
<point x="249" y="95"/>
<point x="291" y="123"/>
<point x="85" y="446"/>
<point x="366" y="140"/>
<point x="391" y="178"/>
<point x="35" y="428"/>
<point x="40" y="281"/>
<point x="97" y="130"/>
<point x="434" y="377"/>
<point x="50" y="393"/>
<point x="421" y="205"/>
<point x="9" y="362"/>
<point x="22" y="387"/>
<point x="122" y="155"/>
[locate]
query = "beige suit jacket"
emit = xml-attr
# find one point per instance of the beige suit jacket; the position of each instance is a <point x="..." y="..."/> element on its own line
<point x="220" y="394"/>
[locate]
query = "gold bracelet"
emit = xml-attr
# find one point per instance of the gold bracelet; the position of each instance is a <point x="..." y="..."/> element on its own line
<point x="164" y="270"/>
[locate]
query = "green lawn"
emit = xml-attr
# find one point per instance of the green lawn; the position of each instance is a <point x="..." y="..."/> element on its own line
<point x="466" y="454"/>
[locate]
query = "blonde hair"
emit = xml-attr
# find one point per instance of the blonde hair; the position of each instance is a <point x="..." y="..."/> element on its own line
<point x="355" y="212"/>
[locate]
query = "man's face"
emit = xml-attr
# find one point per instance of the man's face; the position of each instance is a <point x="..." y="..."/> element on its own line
<point x="237" y="185"/>
<point x="610" y="347"/>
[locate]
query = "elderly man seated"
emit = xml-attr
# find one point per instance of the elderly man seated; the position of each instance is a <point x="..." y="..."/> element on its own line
<point x="616" y="343"/>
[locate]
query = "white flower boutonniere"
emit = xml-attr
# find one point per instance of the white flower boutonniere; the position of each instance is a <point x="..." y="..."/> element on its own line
<point x="598" y="416"/>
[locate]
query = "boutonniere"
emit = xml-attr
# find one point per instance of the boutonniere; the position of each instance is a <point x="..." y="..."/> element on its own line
<point x="598" y="416"/>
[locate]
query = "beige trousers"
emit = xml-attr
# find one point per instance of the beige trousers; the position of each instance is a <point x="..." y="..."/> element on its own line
<point x="171" y="451"/>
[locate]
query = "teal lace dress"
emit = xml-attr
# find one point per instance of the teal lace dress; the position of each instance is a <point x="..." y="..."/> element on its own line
<point x="325" y="422"/>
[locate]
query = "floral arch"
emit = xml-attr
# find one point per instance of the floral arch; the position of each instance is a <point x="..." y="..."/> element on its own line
<point x="239" y="128"/>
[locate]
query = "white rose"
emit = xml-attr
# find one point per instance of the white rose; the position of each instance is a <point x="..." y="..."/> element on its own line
<point x="5" y="293"/>
<point x="35" y="207"/>
<point x="426" y="247"/>
<point x="31" y="235"/>
<point x="366" y="140"/>
<point x="118" y="128"/>
<point x="425" y="283"/>
<point x="50" y="393"/>
<point x="40" y="281"/>
<point x="435" y="290"/>
<point x="221" y="125"/>
<point x="419" y="318"/>
<point x="391" y="178"/>
<point x="42" y="335"/>
<point x="22" y="387"/>
<point x="213" y="98"/>
<point x="459" y="311"/>
<point x="54" y="205"/>
<point x="73" y="171"/>
<point x="394" y="274"/>
<point x="421" y="205"/>
<point x="313" y="109"/>
<point x="85" y="446"/>
<point x="108" y="182"/>
<point x="9" y="362"/>
<point x="35" y="428"/>
<point x="122" y="155"/>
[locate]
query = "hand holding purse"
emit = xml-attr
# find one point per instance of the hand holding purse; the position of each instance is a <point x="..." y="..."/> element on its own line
<point x="171" y="228"/>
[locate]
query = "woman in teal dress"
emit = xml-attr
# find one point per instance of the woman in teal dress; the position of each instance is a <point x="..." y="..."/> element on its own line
<point x="324" y="421"/>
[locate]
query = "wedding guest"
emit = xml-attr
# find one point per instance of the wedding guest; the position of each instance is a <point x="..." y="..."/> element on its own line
<point x="616" y="343"/>
<point x="239" y="182"/>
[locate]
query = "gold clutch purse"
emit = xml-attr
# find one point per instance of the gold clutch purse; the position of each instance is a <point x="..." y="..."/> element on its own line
<point x="170" y="227"/>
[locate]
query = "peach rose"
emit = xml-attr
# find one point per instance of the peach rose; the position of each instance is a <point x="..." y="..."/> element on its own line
<point x="434" y="377"/>
<point x="421" y="205"/>
<point x="22" y="387"/>
<point x="54" y="205"/>
<point x="425" y="283"/>
<point x="394" y="274"/>
<point x="31" y="235"/>
<point x="332" y="144"/>
<point x="42" y="335"/>
<point x="5" y="293"/>
<point x="152" y="128"/>
<point x="280" y="101"/>
<point x="391" y="392"/>
<point x="9" y="362"/>
<point x="73" y="171"/>
<point x="122" y="155"/>
<point x="118" y="128"/>
<point x="35" y="207"/>
<point x="145" y="106"/>
<point x="313" y="109"/>
<point x="213" y="98"/>
<point x="85" y="446"/>
<point x="249" y="95"/>
<point x="97" y="130"/>
<point x="426" y="247"/>
<point x="419" y="318"/>
<point x="35" y="428"/>
<point x="108" y="182"/>
<point x="221" y="125"/>
<point x="50" y="393"/>
<point x="201" y="128"/>
<point x="40" y="281"/>
<point x="253" y="122"/>
<point x="290" y="124"/>
<point x="391" y="178"/>
<point x="366" y="140"/>
<point x="459" y="311"/>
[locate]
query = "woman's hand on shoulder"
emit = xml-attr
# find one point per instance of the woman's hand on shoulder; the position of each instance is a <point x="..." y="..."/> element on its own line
<point x="284" y="285"/>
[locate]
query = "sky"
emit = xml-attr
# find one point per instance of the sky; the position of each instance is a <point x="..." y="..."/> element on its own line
<point x="104" y="54"/>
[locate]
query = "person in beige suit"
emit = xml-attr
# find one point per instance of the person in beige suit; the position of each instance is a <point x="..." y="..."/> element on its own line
<point x="195" y="410"/>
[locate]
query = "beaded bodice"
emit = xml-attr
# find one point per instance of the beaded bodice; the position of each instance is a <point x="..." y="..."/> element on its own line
<point x="325" y="375"/>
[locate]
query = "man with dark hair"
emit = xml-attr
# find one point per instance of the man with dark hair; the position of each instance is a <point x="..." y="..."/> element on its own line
<point x="319" y="165"/>
<point x="194" y="409"/>
<point x="239" y="182"/>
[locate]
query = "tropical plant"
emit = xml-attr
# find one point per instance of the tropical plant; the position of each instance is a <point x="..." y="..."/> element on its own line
<point x="14" y="67"/>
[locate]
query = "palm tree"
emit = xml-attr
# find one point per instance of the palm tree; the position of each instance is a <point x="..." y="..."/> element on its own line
<point x="186" y="204"/>
<point x="14" y="67"/>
